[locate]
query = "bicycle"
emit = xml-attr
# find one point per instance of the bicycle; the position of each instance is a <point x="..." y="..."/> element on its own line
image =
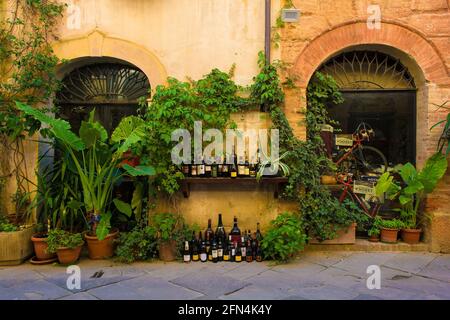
<point x="361" y="159"/>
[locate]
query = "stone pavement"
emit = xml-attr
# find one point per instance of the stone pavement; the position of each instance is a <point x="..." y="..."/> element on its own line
<point x="314" y="275"/>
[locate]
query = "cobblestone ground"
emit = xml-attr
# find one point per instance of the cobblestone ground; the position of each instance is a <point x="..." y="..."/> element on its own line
<point x="314" y="275"/>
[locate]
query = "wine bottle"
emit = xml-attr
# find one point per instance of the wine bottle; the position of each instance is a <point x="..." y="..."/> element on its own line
<point x="238" y="255"/>
<point x="233" y="167"/>
<point x="259" y="236"/>
<point x="215" y="168"/>
<point x="246" y="167"/>
<point x="226" y="252"/>
<point x="235" y="232"/>
<point x="201" y="167"/>
<point x="243" y="246"/>
<point x="220" y="230"/>
<point x="214" y="253"/>
<point x="258" y="254"/>
<point x="220" y="250"/>
<point x="254" y="246"/>
<point x="186" y="169"/>
<point x="232" y="249"/>
<point x="220" y="164"/>
<point x="208" y="169"/>
<point x="203" y="254"/>
<point x="241" y="167"/>
<point x="195" y="255"/>
<point x="209" y="235"/>
<point x="249" y="256"/>
<point x="194" y="172"/>
<point x="210" y="257"/>
<point x="186" y="252"/>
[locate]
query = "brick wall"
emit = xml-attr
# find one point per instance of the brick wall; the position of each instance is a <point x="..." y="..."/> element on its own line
<point x="415" y="31"/>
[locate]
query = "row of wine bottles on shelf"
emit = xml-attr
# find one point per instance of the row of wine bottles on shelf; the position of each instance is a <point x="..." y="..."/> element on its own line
<point x="217" y="246"/>
<point x="221" y="167"/>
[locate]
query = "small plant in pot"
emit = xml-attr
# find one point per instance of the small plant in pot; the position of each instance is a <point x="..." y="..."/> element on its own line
<point x="374" y="231"/>
<point x="168" y="227"/>
<point x="389" y="230"/>
<point x="66" y="245"/>
<point x="413" y="189"/>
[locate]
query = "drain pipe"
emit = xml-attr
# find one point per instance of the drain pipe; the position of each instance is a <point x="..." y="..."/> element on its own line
<point x="267" y="30"/>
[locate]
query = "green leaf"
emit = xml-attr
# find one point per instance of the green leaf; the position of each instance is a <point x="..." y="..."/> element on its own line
<point x="103" y="226"/>
<point x="123" y="207"/>
<point x="404" y="199"/>
<point x="136" y="201"/>
<point x="408" y="173"/>
<point x="434" y="170"/>
<point x="130" y="130"/>
<point x="60" y="128"/>
<point x="139" y="170"/>
<point x="414" y="187"/>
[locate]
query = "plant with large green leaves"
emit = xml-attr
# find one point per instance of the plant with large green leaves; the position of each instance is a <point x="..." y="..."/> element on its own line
<point x="96" y="159"/>
<point x="416" y="185"/>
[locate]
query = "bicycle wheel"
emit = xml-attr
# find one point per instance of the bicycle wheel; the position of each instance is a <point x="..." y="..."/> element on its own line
<point x="369" y="160"/>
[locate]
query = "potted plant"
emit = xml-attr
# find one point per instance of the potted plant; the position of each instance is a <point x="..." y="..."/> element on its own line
<point x="15" y="244"/>
<point x="96" y="159"/>
<point x="413" y="189"/>
<point x="167" y="229"/>
<point x="374" y="231"/>
<point x="389" y="230"/>
<point x="66" y="245"/>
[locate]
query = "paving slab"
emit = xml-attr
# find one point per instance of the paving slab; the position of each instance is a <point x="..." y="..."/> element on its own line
<point x="41" y="290"/>
<point x="438" y="269"/>
<point x="210" y="284"/>
<point x="247" y="270"/>
<point x="253" y="292"/>
<point x="325" y="292"/>
<point x="16" y="276"/>
<point x="412" y="262"/>
<point x="325" y="259"/>
<point x="425" y="286"/>
<point x="282" y="281"/>
<point x="357" y="263"/>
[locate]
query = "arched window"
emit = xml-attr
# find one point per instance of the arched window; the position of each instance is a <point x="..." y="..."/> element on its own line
<point x="379" y="90"/>
<point x="113" y="89"/>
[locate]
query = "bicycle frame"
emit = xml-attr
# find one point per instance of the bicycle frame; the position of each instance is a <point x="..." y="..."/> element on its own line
<point x="348" y="190"/>
<point x="357" y="144"/>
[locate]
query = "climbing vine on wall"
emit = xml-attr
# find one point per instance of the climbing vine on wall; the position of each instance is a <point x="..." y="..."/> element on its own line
<point x="27" y="74"/>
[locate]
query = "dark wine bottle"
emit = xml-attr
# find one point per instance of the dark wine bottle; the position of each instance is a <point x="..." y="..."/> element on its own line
<point x="209" y="235"/>
<point x="214" y="168"/>
<point x="238" y="255"/>
<point x="195" y="255"/>
<point x="258" y="254"/>
<point x="208" y="169"/>
<point x="186" y="169"/>
<point x="220" y="250"/>
<point x="214" y="253"/>
<point x="246" y="167"/>
<point x="233" y="166"/>
<point x="201" y="167"/>
<point x="220" y="230"/>
<point x="254" y="246"/>
<point x="259" y="236"/>
<point x="232" y="249"/>
<point x="235" y="232"/>
<point x="243" y="246"/>
<point x="226" y="252"/>
<point x="249" y="257"/>
<point x="194" y="171"/>
<point x="186" y="252"/>
<point x="241" y="167"/>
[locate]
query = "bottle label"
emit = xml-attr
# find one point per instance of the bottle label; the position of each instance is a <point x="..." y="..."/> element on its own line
<point x="210" y="257"/>
<point x="247" y="171"/>
<point x="195" y="257"/>
<point x="187" y="258"/>
<point x="226" y="257"/>
<point x="238" y="258"/>
<point x="214" y="254"/>
<point x="233" y="252"/>
<point x="220" y="252"/>
<point x="243" y="251"/>
<point x="233" y="174"/>
<point x="203" y="257"/>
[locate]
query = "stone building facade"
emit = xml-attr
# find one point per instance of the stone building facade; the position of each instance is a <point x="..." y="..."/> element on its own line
<point x="187" y="38"/>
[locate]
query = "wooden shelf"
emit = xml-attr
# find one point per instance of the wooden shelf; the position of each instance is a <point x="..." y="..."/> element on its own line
<point x="276" y="181"/>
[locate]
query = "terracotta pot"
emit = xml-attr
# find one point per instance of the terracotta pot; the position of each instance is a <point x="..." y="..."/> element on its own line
<point x="411" y="236"/>
<point x="40" y="247"/>
<point x="389" y="235"/>
<point x="101" y="249"/>
<point x="374" y="238"/>
<point x="328" y="180"/>
<point x="68" y="255"/>
<point x="168" y="250"/>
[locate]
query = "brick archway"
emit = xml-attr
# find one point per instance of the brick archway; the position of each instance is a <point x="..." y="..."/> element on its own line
<point x="357" y="33"/>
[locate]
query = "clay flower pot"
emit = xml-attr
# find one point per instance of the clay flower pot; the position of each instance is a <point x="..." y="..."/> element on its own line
<point x="40" y="247"/>
<point x="101" y="249"/>
<point x="389" y="235"/>
<point x="374" y="238"/>
<point x="411" y="236"/>
<point x="68" y="255"/>
<point x="168" y="250"/>
<point x="329" y="180"/>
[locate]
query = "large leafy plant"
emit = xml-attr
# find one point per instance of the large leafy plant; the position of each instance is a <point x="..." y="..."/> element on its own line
<point x="416" y="185"/>
<point x="96" y="159"/>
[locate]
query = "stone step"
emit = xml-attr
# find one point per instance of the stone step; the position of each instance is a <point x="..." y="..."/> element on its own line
<point x="367" y="246"/>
